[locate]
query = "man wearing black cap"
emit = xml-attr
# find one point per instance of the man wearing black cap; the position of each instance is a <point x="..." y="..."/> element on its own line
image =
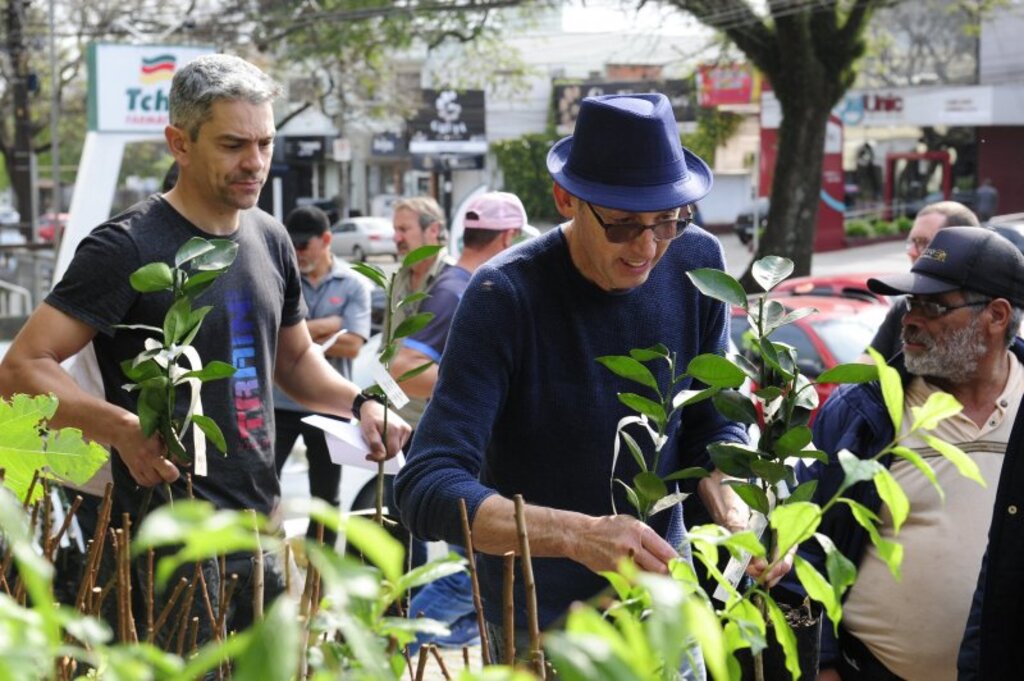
<point x="338" y="317"/>
<point x="522" y="407"/>
<point x="965" y="296"/>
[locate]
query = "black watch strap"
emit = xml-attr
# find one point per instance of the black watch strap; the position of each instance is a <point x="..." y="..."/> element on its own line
<point x="361" y="398"/>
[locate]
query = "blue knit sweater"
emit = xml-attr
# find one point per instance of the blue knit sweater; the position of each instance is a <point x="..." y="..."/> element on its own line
<point x="521" y="405"/>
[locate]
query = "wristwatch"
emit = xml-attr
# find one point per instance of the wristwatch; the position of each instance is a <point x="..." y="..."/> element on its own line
<point x="362" y="397"/>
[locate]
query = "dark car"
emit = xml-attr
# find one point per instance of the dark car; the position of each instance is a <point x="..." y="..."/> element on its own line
<point x="1010" y="226"/>
<point x="744" y="226"/>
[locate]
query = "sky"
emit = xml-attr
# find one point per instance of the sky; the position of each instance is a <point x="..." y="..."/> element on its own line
<point x="601" y="16"/>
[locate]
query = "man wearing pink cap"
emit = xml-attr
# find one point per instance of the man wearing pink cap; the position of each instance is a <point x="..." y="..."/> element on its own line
<point x="492" y="222"/>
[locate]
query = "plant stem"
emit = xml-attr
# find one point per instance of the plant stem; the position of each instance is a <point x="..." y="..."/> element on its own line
<point x="467" y="535"/>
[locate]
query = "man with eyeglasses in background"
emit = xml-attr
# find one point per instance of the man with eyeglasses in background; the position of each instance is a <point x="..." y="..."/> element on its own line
<point x="927" y="223"/>
<point x="965" y="295"/>
<point x="521" y="405"/>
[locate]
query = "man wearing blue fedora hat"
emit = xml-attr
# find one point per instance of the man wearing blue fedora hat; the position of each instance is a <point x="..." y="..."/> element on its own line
<point x="522" y="407"/>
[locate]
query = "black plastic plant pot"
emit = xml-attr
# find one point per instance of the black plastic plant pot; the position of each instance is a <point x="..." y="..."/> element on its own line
<point x="806" y="621"/>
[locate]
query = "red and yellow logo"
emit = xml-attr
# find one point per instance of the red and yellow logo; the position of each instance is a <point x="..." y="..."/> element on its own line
<point x="157" y="69"/>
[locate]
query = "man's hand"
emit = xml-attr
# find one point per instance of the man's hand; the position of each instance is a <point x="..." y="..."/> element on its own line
<point x="606" y="540"/>
<point x="758" y="569"/>
<point x="371" y="422"/>
<point x="144" y="456"/>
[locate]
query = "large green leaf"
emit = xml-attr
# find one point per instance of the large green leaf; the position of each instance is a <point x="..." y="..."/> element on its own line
<point x="371" y="272"/>
<point x="650" y="408"/>
<point x="420" y="254"/>
<point x="752" y="494"/>
<point x="793" y="441"/>
<point x="892" y="389"/>
<point x="735" y="406"/>
<point x="795" y="523"/>
<point x="965" y="464"/>
<point x="634" y="449"/>
<point x="414" y="372"/>
<point x="274" y="645"/>
<point x="856" y="469"/>
<point x="842" y="573"/>
<point x="770" y="270"/>
<point x="655" y="352"/>
<point x="630" y="369"/>
<point x="688" y="474"/>
<point x="649" y="486"/>
<point x="199" y="282"/>
<point x="715" y="371"/>
<point x="151" y="405"/>
<point x="938" y="407"/>
<point x="220" y="257"/>
<point x="894" y="497"/>
<point x="733" y="459"/>
<point x="156" y="276"/>
<point x="413" y="298"/>
<point x="920" y="464"/>
<point x="176" y="322"/>
<point x="771" y="472"/>
<point x="62" y="454"/>
<point x="211" y="430"/>
<point x="191" y="249"/>
<point x="803" y="492"/>
<point x="377" y="544"/>
<point x="784" y="635"/>
<point x="412" y="324"/>
<point x="849" y="373"/>
<point x="195" y="318"/>
<point x="451" y="564"/>
<point x="719" y="285"/>
<point x="211" y="372"/>
<point x="818" y="588"/>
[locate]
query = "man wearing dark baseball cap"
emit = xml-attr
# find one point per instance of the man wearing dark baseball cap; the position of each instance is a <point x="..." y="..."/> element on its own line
<point x="522" y="407"/>
<point x="965" y="295"/>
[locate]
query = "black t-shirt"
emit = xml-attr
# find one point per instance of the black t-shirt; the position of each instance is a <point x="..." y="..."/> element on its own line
<point x="259" y="293"/>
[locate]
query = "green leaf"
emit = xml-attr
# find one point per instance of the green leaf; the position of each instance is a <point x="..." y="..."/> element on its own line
<point x="803" y="492"/>
<point x="176" y="322"/>
<point x="848" y="373"/>
<point x="965" y="464"/>
<point x="420" y="254"/>
<point x="684" y="398"/>
<point x="142" y="371"/>
<point x="650" y="408"/>
<point x="199" y="282"/>
<point x="771" y="471"/>
<point x="894" y="497"/>
<point x="733" y="459"/>
<point x="938" y="407"/>
<point x="650" y="354"/>
<point x="630" y="369"/>
<point x="920" y="464"/>
<point x="752" y="494"/>
<point x="649" y="486"/>
<point x="213" y="371"/>
<point x="794" y="523"/>
<point x="857" y="470"/>
<point x="891" y="554"/>
<point x="718" y="285"/>
<point x="220" y="257"/>
<point x="413" y="298"/>
<point x="784" y="635"/>
<point x="195" y="318"/>
<point x="818" y="588"/>
<point x="193" y="248"/>
<point x="770" y="354"/>
<point x="892" y="389"/>
<point x="211" y="430"/>
<point x="413" y="373"/>
<point x="715" y="371"/>
<point x="842" y="573"/>
<point x="770" y="270"/>
<point x="668" y="501"/>
<point x="377" y="544"/>
<point x="156" y="276"/>
<point x="371" y="272"/>
<point x="634" y="449"/>
<point x="795" y="315"/>
<point x="735" y="406"/>
<point x="769" y="393"/>
<point x="274" y="645"/>
<point x="151" y="406"/>
<point x="631" y="497"/>
<point x="772" y="315"/>
<point x="688" y="474"/>
<point x="412" y="324"/>
<point x="451" y="564"/>
<point x="793" y="441"/>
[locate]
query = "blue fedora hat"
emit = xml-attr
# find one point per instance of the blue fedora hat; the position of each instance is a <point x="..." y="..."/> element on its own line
<point x="625" y="154"/>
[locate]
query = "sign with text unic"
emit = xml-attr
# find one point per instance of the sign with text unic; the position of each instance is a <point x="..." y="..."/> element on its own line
<point x="129" y="85"/>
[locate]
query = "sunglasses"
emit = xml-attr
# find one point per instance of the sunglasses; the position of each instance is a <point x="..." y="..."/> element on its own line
<point x="929" y="309"/>
<point x="663" y="230"/>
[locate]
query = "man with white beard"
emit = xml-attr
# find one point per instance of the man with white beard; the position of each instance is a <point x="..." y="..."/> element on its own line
<point x="965" y="295"/>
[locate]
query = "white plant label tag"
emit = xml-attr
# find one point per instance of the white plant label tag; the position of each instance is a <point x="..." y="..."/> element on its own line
<point x="396" y="396"/>
<point x="735" y="569"/>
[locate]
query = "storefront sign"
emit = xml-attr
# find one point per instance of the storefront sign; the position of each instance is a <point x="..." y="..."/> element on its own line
<point x="308" y="149"/>
<point x="567" y="98"/>
<point x="387" y="144"/>
<point x="129" y="85"/>
<point x="725" y="84"/>
<point x="449" y="121"/>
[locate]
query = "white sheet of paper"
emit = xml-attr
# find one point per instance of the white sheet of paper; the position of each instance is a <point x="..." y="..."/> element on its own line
<point x="347" y="446"/>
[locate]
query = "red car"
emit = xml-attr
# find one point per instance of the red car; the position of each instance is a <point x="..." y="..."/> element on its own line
<point x="837" y="333"/>
<point x="834" y="285"/>
<point x="51" y="226"/>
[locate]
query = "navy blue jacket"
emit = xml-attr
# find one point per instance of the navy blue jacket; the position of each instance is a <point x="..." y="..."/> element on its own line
<point x="991" y="647"/>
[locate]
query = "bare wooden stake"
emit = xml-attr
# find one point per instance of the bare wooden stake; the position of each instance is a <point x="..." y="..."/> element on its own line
<point x="529" y="587"/>
<point x="465" y="657"/>
<point x="168" y="607"/>
<point x="186" y="611"/>
<point x="467" y="535"/>
<point x="209" y="605"/>
<point x="508" y="606"/>
<point x="440" y="662"/>
<point x="31" y="489"/>
<point x="126" y="562"/>
<point x="94" y="556"/>
<point x="150" y="593"/>
<point x="54" y="542"/>
<point x="193" y="636"/>
<point x="257" y="574"/>
<point x="229" y="593"/>
<point x="421" y="663"/>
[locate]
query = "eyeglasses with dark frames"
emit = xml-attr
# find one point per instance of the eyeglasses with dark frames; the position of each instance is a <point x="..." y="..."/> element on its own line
<point x="929" y="309"/>
<point x="663" y="230"/>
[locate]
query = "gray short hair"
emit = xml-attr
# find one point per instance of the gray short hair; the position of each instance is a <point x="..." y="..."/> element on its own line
<point x="426" y="208"/>
<point x="1016" y="314"/>
<point x="956" y="214"/>
<point x="213" y="77"/>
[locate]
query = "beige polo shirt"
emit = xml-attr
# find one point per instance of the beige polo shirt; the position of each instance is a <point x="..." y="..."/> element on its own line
<point x="914" y="626"/>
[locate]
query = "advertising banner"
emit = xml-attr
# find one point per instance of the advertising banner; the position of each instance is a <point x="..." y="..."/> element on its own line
<point x="449" y="121"/>
<point x="725" y="84"/>
<point x="567" y="98"/>
<point x="129" y="85"/>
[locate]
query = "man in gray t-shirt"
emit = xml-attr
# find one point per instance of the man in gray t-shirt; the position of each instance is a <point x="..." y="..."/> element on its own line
<point x="338" y="317"/>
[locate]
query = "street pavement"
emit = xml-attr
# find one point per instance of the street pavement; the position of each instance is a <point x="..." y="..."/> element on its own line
<point x="888" y="256"/>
